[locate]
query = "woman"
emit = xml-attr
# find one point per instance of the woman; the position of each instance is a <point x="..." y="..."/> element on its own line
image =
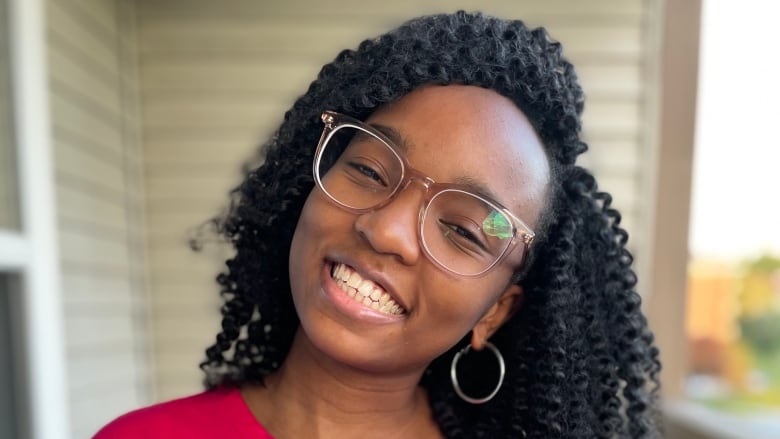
<point x="419" y="256"/>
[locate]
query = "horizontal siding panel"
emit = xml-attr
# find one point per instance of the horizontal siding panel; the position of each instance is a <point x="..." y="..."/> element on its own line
<point x="82" y="291"/>
<point x="239" y="77"/>
<point x="209" y="242"/>
<point x="270" y="37"/>
<point x="199" y="280"/>
<point x="66" y="23"/>
<point x="172" y="235"/>
<point x="161" y="277"/>
<point x="99" y="184"/>
<point x="184" y="266"/>
<point x="101" y="111"/>
<point x="622" y="156"/>
<point x="624" y="189"/>
<point x="347" y="10"/>
<point x="87" y="249"/>
<point x="85" y="334"/>
<point x="102" y="407"/>
<point x="109" y="233"/>
<point x="117" y="376"/>
<point x="611" y="80"/>
<point x="178" y="384"/>
<point x="182" y="358"/>
<point x="271" y="33"/>
<point x="88" y="166"/>
<point x="75" y="137"/>
<point x="102" y="16"/>
<point x="167" y="256"/>
<point x="597" y="41"/>
<point x="211" y="248"/>
<point x="85" y="123"/>
<point x="185" y="362"/>
<point x="186" y="347"/>
<point x="75" y="204"/>
<point x="95" y="84"/>
<point x="84" y="369"/>
<point x="229" y="135"/>
<point x="106" y="304"/>
<point x="183" y="300"/>
<point x="74" y="179"/>
<point x="164" y="156"/>
<point x="611" y="118"/>
<point x="234" y="113"/>
<point x="190" y="346"/>
<point x="176" y="233"/>
<point x="193" y="187"/>
<point x="180" y="233"/>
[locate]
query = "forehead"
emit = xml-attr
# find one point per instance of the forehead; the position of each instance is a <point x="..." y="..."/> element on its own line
<point x="464" y="133"/>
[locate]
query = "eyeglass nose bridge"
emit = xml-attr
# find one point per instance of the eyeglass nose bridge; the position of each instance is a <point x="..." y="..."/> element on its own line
<point x="414" y="175"/>
<point x="411" y="176"/>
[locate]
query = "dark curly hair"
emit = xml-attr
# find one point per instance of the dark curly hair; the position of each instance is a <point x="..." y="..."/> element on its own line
<point x="581" y="359"/>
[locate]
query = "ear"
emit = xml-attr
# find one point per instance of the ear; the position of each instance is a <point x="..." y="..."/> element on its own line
<point x="500" y="312"/>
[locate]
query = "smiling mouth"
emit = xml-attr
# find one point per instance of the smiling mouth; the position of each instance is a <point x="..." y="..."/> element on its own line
<point x="364" y="291"/>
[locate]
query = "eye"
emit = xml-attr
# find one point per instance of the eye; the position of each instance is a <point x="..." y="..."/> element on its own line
<point x="368" y="172"/>
<point x="461" y="235"/>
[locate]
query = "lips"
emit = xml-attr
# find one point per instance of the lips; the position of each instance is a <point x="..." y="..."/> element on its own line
<point x="364" y="291"/>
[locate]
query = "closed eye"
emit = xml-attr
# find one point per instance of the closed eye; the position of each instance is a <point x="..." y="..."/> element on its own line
<point x="461" y="233"/>
<point x="368" y="172"/>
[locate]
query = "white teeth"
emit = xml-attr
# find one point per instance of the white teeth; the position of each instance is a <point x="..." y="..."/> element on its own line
<point x="364" y="291"/>
<point x="366" y="288"/>
<point x="354" y="280"/>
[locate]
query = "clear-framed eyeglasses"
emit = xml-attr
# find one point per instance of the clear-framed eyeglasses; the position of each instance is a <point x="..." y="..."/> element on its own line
<point x="361" y="170"/>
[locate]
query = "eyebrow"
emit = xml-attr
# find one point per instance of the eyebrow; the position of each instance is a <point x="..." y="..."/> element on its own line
<point x="478" y="187"/>
<point x="394" y="136"/>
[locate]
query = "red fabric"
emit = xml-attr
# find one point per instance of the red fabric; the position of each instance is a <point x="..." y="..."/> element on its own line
<point x="214" y="414"/>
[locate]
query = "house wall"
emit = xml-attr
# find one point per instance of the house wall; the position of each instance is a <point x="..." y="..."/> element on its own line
<point x="216" y="78"/>
<point x="100" y="204"/>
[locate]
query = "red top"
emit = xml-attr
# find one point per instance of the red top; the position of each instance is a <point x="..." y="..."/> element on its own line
<point x="213" y="414"/>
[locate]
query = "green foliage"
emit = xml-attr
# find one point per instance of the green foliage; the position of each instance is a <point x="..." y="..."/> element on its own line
<point x="762" y="332"/>
<point x="764" y="264"/>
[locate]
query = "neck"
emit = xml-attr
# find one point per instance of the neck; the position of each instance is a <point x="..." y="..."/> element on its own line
<point x="313" y="395"/>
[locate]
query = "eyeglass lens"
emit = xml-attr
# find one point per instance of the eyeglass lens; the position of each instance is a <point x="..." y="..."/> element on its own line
<point x="461" y="231"/>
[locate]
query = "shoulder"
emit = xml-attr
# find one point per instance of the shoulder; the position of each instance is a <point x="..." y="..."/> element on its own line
<point x="213" y="413"/>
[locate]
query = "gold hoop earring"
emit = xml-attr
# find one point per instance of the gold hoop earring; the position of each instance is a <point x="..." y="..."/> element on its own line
<point x="454" y="374"/>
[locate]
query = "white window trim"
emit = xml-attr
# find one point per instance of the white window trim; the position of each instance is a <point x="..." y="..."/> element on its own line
<point x="33" y="253"/>
<point x="14" y="251"/>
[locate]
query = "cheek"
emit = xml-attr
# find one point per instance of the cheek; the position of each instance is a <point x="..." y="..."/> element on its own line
<point x="461" y="304"/>
<point x="303" y="241"/>
<point x="320" y="221"/>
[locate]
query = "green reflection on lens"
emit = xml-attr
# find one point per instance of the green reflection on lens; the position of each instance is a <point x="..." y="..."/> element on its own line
<point x="497" y="225"/>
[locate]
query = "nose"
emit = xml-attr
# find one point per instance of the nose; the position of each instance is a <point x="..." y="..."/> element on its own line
<point x="394" y="228"/>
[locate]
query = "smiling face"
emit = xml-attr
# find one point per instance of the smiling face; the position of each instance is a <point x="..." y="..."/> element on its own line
<point x="364" y="290"/>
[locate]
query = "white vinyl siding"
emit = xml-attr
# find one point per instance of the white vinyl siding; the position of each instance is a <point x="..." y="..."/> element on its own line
<point x="218" y="76"/>
<point x="99" y="189"/>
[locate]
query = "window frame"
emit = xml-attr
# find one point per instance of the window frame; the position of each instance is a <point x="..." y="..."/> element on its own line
<point x="31" y="253"/>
